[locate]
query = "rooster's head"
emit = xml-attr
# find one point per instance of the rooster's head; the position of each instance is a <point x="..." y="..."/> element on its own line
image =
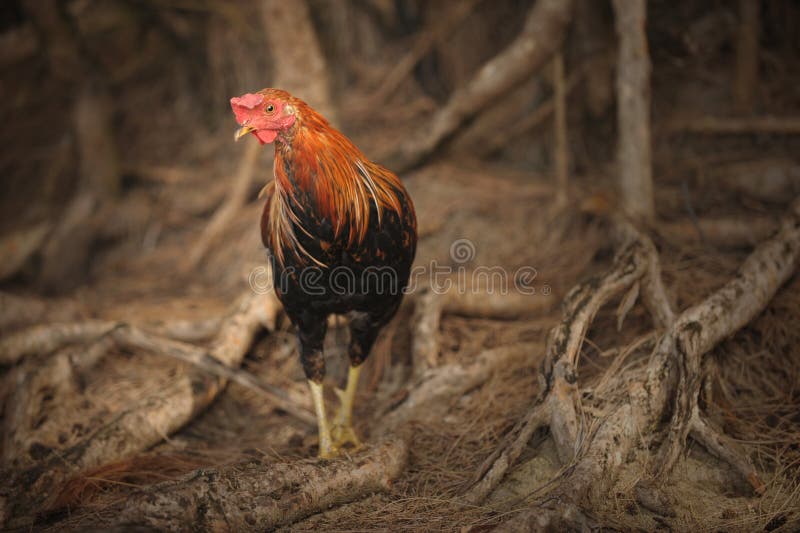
<point x="265" y="114"/>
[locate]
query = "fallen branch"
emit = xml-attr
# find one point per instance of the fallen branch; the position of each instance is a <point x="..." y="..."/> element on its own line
<point x="544" y="29"/>
<point x="261" y="496"/>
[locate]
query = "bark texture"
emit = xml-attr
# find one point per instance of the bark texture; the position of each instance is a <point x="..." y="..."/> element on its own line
<point x="633" y="110"/>
<point x="668" y="385"/>
<point x="262" y="496"/>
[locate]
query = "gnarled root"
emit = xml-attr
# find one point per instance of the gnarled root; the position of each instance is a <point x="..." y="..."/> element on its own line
<point x="674" y="370"/>
<point x="262" y="496"/>
<point x="148" y="421"/>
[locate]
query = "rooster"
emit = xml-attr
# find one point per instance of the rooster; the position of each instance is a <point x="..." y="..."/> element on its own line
<point x="341" y="236"/>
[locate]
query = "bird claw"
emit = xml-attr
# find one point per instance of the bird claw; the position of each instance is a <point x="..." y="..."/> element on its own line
<point x="342" y="432"/>
<point x="328" y="452"/>
<point x="343" y="435"/>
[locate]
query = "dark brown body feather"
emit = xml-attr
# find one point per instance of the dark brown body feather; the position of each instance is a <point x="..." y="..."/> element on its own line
<point x="341" y="232"/>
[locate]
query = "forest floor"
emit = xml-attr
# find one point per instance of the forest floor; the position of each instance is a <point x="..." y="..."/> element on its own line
<point x="510" y="221"/>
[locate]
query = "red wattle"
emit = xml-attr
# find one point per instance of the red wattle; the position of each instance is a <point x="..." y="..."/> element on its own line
<point x="265" y="136"/>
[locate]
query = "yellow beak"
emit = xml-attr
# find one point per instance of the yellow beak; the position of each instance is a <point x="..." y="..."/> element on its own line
<point x="241" y="132"/>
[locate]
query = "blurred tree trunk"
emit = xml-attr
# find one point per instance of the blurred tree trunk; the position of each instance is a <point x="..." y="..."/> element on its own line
<point x="233" y="68"/>
<point x="67" y="250"/>
<point x="633" y="110"/>
<point x="561" y="148"/>
<point x="300" y="67"/>
<point x="593" y="34"/>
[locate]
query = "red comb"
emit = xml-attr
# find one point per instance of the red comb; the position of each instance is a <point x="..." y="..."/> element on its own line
<point x="248" y="100"/>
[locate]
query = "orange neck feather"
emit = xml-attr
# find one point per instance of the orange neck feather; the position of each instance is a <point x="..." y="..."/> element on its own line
<point x="335" y="175"/>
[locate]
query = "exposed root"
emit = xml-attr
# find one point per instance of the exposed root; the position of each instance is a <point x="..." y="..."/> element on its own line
<point x="493" y="141"/>
<point x="553" y="516"/>
<point x="725" y="449"/>
<point x="476" y="302"/>
<point x="497" y="465"/>
<point x="44" y="339"/>
<point x="258" y="495"/>
<point x="558" y="405"/>
<point x="674" y="369"/>
<point x="136" y="338"/>
<point x="148" y="421"/>
<point x="18" y="247"/>
<point x="724" y="232"/>
<point x="429" y="395"/>
<point x="423" y="44"/>
<point x="39" y="384"/>
<point x="426" y="319"/>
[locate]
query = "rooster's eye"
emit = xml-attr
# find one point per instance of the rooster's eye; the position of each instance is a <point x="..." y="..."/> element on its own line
<point x="270" y="108"/>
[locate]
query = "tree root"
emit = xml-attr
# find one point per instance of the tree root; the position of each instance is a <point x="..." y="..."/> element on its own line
<point x="724" y="232"/>
<point x="261" y="496"/>
<point x="431" y="306"/>
<point x="425" y="41"/>
<point x="674" y="370"/>
<point x="558" y="405"/>
<point x="428" y="396"/>
<point x="148" y="421"/>
<point x="18" y="247"/>
<point x="38" y="385"/>
<point x="44" y="339"/>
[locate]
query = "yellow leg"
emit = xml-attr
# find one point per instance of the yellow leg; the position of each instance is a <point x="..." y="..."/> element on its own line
<point x="343" y="432"/>
<point x="326" y="447"/>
